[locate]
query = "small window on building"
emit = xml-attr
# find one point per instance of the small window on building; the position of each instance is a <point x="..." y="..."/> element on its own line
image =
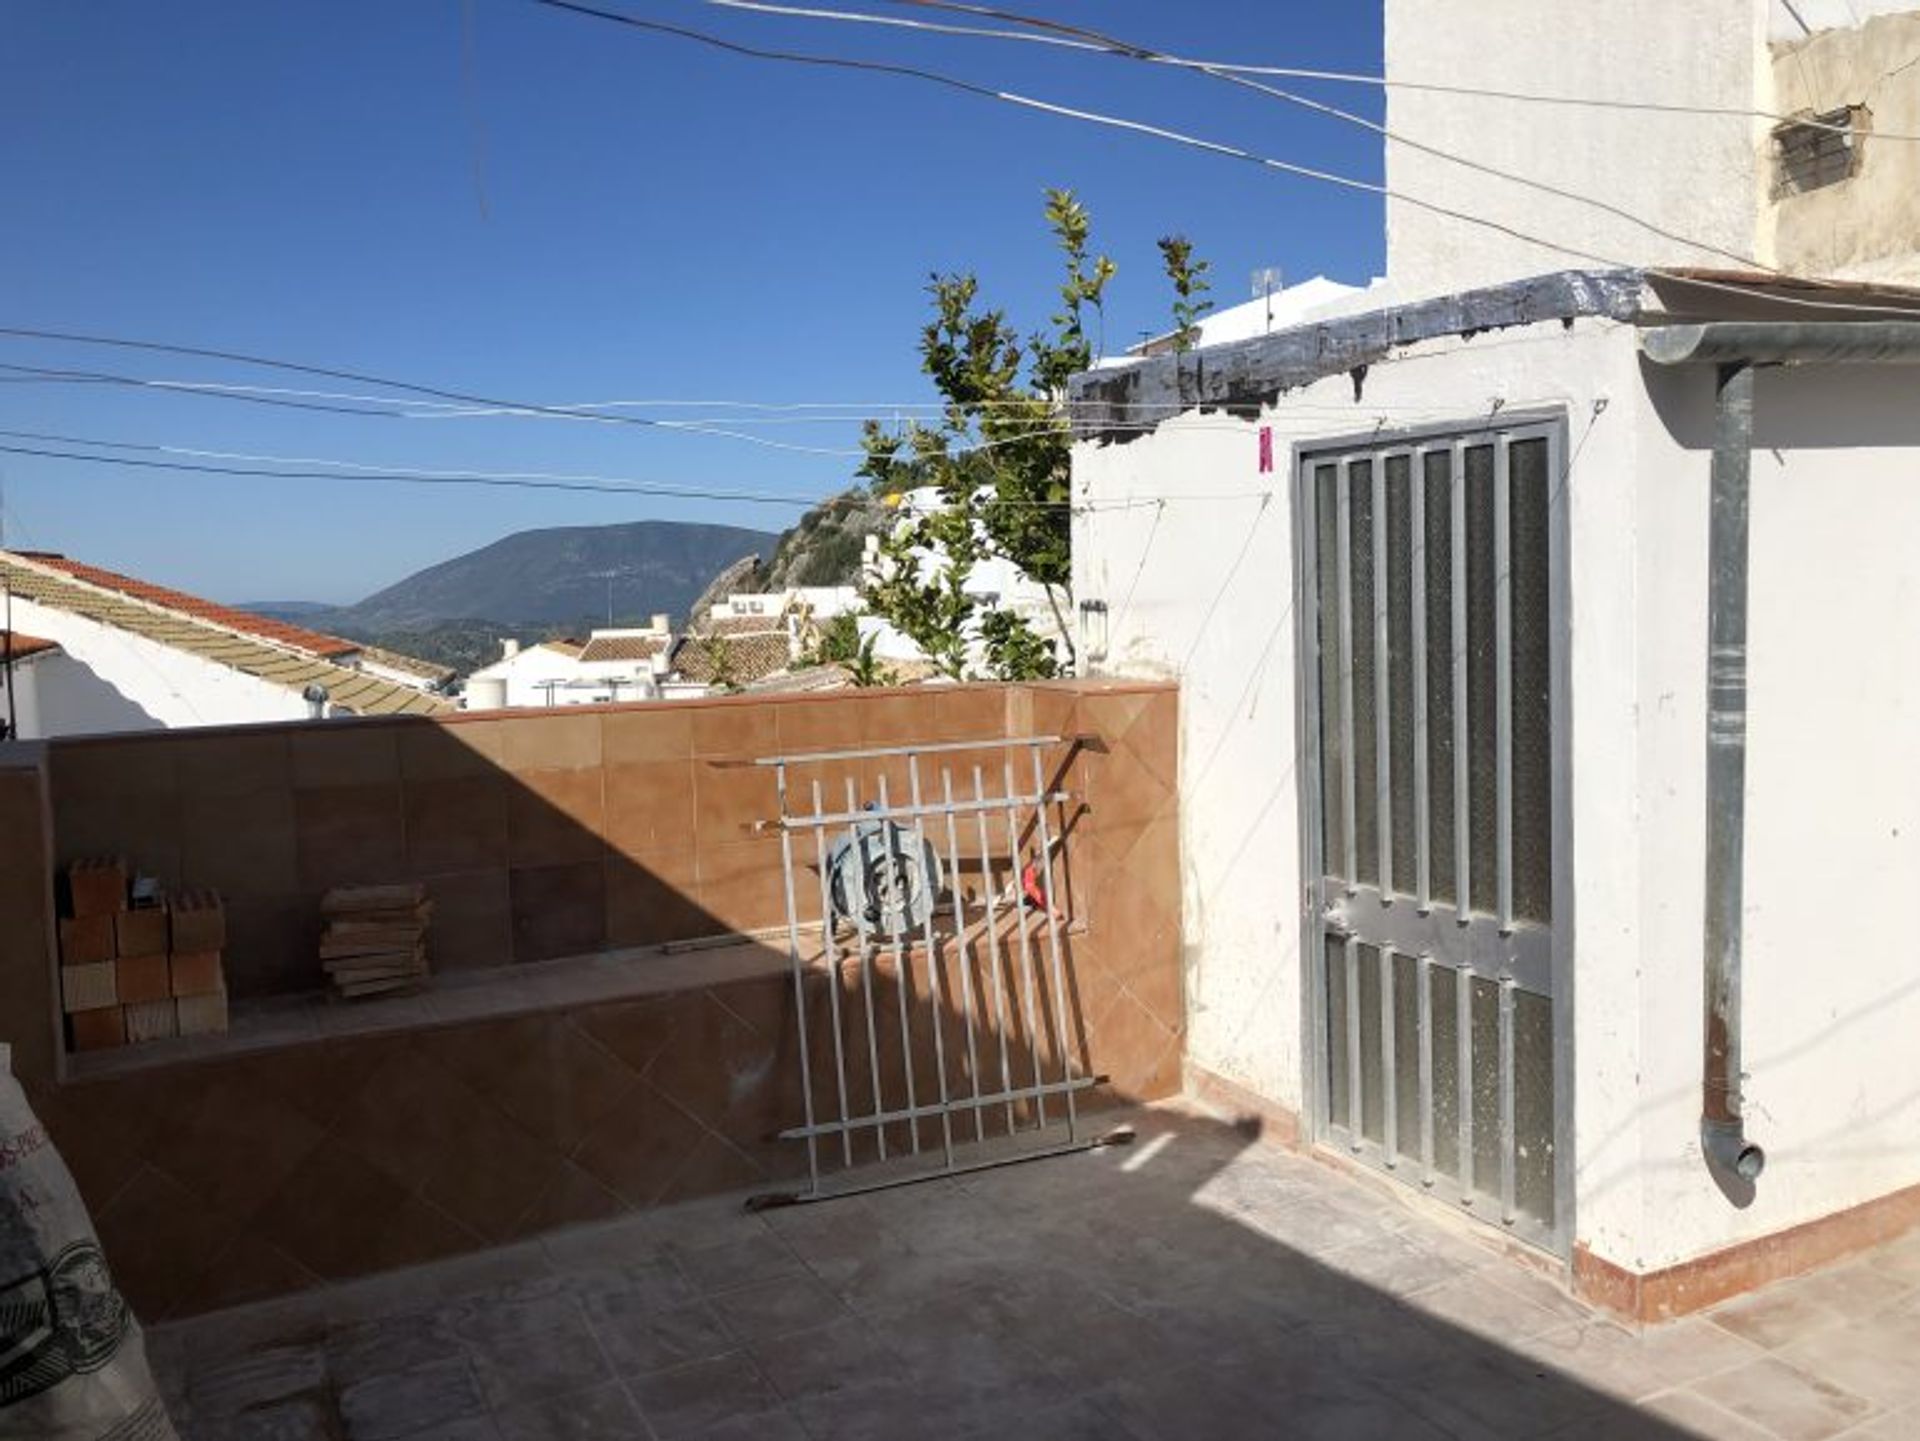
<point x="1818" y="150"/>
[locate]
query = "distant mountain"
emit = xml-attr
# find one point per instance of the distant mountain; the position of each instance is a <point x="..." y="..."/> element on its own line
<point x="297" y="611"/>
<point x="558" y="577"/>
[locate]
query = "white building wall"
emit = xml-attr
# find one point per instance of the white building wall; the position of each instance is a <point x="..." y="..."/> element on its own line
<point x="1200" y="589"/>
<point x="124" y="682"/>
<point x="1696" y="176"/>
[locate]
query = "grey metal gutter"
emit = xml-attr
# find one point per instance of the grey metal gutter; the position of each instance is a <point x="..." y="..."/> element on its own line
<point x="1735" y="348"/>
<point x="1124" y="402"/>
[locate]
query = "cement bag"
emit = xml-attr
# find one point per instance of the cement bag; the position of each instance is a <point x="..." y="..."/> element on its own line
<point x="72" y="1364"/>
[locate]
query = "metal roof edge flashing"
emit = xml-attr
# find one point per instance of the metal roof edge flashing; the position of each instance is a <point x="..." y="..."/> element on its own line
<point x="1246" y="374"/>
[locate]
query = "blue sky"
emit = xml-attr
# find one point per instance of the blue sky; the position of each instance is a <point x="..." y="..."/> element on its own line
<point x="581" y="213"/>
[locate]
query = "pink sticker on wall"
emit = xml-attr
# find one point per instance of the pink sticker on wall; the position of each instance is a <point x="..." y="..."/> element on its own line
<point x="1266" y="450"/>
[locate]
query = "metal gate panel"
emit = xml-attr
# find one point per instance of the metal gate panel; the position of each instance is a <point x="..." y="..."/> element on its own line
<point x="1434" y="814"/>
<point x="932" y="1024"/>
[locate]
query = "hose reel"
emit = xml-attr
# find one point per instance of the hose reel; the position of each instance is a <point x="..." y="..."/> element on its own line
<point x="883" y="879"/>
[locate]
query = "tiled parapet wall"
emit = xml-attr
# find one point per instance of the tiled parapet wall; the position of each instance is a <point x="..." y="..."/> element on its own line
<point x="28" y="1009"/>
<point x="235" y="1178"/>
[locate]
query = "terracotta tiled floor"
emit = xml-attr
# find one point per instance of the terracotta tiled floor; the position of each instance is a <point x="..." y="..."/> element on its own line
<point x="1190" y="1287"/>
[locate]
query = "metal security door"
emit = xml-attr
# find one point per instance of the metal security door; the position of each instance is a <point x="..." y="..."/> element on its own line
<point x="1433" y="573"/>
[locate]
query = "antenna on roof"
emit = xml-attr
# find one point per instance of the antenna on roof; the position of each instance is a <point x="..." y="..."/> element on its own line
<point x="1266" y="280"/>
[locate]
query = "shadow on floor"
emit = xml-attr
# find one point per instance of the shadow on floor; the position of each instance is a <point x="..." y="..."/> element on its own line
<point x="1194" y="1285"/>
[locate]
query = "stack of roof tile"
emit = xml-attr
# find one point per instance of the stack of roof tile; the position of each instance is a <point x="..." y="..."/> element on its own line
<point x="375" y="941"/>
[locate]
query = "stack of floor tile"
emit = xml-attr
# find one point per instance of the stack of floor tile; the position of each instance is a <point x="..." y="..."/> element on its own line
<point x="139" y="970"/>
<point x="375" y="941"/>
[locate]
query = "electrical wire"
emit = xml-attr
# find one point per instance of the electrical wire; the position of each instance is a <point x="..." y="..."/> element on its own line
<point x="1093" y="117"/>
<point x="1109" y="45"/>
<point x="1074" y="38"/>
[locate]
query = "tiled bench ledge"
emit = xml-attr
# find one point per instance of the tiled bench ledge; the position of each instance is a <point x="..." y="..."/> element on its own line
<point x="451" y="997"/>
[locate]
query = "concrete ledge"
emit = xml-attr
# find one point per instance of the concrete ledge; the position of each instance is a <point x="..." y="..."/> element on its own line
<point x="1707" y="1280"/>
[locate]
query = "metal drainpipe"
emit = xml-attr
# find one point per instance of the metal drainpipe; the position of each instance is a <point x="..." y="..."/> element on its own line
<point x="1736" y="347"/>
<point x="1722" y="1126"/>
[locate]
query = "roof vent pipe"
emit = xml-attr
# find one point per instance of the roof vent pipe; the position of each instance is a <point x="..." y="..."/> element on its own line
<point x="315" y="696"/>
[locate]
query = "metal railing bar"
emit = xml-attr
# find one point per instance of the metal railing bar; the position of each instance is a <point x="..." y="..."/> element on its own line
<point x="900" y="969"/>
<point x="935" y="1000"/>
<point x="963" y="952"/>
<point x="1053" y="944"/>
<point x="959" y="1103"/>
<point x="799" y="984"/>
<point x="993" y="938"/>
<point x="985" y="743"/>
<point x="831" y="951"/>
<point x="1028" y="1012"/>
<point x="906" y="812"/>
<point x="866" y="979"/>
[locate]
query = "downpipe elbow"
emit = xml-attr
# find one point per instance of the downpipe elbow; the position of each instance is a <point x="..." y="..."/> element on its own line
<point x="1728" y="1149"/>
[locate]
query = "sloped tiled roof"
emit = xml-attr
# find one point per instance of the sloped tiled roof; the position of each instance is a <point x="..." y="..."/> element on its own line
<point x="408" y="665"/>
<point x="741" y="625"/>
<point x="20" y="646"/>
<point x="624" y="647"/>
<point x="749" y="656"/>
<point x="197" y="633"/>
<point x="566" y="645"/>
<point x="293" y="637"/>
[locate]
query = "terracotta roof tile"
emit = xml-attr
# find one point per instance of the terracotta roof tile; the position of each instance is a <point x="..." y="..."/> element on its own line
<point x="32" y="577"/>
<point x="750" y="657"/>
<point x="246" y="622"/>
<point x="624" y="647"/>
<point x="25" y="645"/>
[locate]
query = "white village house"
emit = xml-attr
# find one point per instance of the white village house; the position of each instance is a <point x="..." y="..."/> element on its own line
<point x="1550" y="789"/>
<point x="613" y="664"/>
<point x="115" y="653"/>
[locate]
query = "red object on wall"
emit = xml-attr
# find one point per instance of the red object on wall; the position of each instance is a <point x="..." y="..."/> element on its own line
<point x="1266" y="450"/>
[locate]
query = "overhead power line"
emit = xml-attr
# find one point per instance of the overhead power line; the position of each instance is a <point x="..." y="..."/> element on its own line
<point x="1105" y="44"/>
<point x="1076" y="38"/>
<point x="1232" y="152"/>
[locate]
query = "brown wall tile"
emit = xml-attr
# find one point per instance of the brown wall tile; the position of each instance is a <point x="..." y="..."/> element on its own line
<point x="158" y="1237"/>
<point x="238" y="844"/>
<point x="230" y="763"/>
<point x="456" y="823"/>
<point x="827" y="723"/>
<point x="558" y="910"/>
<point x="743" y="885"/>
<point x="273" y="944"/>
<point x="434" y="750"/>
<point x="647" y="733"/>
<point x="740" y="730"/>
<point x="963" y="712"/>
<point x="348" y="835"/>
<point x="649" y="806"/>
<point x="550" y="741"/>
<point x="652" y="898"/>
<point x="728" y="799"/>
<point x="27" y="939"/>
<point x="345" y="753"/>
<point x="554" y="816"/>
<point x="472" y="922"/>
<point x="109" y="769"/>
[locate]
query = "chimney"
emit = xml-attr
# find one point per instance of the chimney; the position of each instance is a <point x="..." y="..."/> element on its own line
<point x="509" y="648"/>
<point x="661" y="622"/>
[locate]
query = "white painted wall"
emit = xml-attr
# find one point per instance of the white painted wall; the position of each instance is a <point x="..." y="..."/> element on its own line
<point x="122" y="682"/>
<point x="1821" y="15"/>
<point x="1695" y="176"/>
<point x="1200" y="589"/>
